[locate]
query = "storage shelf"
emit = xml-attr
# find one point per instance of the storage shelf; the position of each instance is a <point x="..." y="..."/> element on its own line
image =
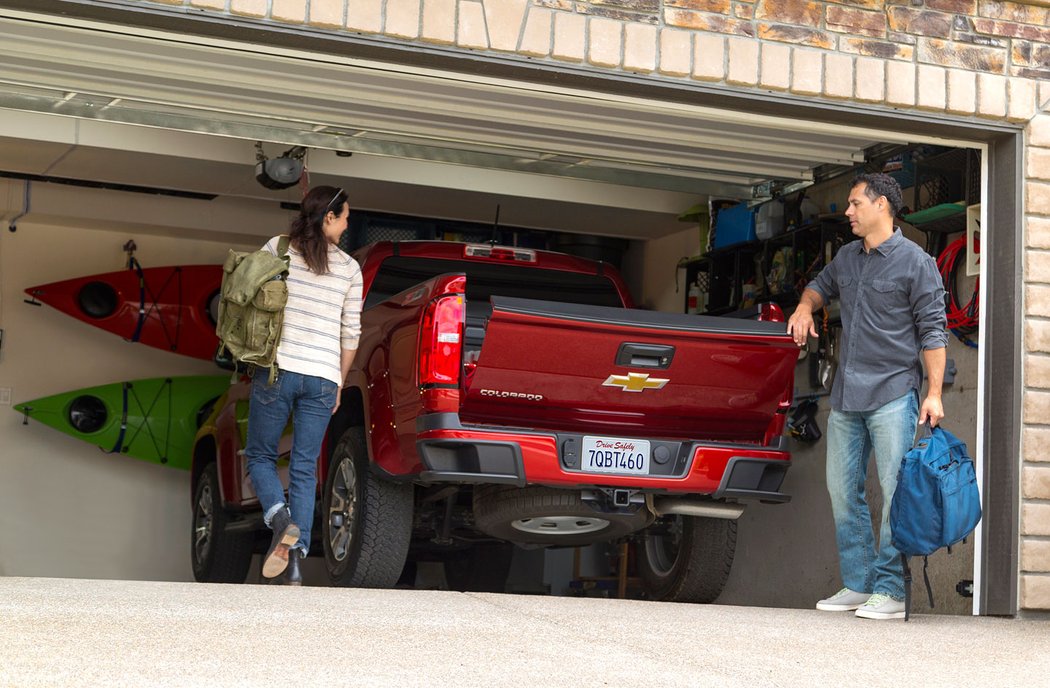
<point x="729" y="268"/>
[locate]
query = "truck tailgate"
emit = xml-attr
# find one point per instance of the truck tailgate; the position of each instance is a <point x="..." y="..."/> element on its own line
<point x="618" y="372"/>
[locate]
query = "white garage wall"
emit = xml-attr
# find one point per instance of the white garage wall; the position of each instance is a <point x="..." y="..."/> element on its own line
<point x="649" y="268"/>
<point x="67" y="509"/>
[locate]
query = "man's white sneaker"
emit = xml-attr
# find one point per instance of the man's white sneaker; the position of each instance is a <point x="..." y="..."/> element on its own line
<point x="881" y="606"/>
<point x="844" y="600"/>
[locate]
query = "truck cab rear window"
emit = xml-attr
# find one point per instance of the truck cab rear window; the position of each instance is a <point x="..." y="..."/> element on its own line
<point x="484" y="280"/>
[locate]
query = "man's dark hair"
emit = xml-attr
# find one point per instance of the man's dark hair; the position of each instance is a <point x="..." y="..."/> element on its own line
<point x="879" y="184"/>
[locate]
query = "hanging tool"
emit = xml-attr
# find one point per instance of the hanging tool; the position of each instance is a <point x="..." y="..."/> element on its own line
<point x="817" y="364"/>
<point x="830" y="360"/>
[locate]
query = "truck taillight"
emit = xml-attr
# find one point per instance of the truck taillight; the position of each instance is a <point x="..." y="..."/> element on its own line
<point x="441" y="342"/>
<point x="770" y="312"/>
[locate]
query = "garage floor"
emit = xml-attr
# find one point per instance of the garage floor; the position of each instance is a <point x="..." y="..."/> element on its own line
<point x="116" y="633"/>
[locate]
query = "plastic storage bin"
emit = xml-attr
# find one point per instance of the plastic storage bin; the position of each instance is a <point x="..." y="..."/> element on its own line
<point x="734" y="225"/>
<point x="769" y="219"/>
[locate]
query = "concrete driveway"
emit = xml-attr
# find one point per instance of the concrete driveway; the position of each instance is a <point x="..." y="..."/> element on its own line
<point x="60" y="632"/>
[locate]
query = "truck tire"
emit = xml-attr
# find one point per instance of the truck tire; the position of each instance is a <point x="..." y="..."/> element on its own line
<point x="548" y="516"/>
<point x="217" y="556"/>
<point x="482" y="568"/>
<point x="687" y="558"/>
<point x="366" y="522"/>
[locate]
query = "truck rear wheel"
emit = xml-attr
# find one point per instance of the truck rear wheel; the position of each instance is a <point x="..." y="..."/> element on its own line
<point x="687" y="558"/>
<point x="548" y="516"/>
<point x="366" y="522"/>
<point x="217" y="556"/>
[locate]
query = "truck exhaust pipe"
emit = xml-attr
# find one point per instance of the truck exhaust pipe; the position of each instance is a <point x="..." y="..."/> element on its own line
<point x="666" y="506"/>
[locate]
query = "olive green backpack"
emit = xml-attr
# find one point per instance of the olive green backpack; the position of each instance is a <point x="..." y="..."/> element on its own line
<point x="251" y="306"/>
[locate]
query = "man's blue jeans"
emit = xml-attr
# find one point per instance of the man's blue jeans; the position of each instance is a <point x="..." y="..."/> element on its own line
<point x="890" y="431"/>
<point x="309" y="401"/>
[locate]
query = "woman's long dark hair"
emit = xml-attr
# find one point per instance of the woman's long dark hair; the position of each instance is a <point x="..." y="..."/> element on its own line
<point x="307" y="232"/>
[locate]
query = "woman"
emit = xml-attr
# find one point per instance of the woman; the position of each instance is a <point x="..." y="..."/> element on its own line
<point x="322" y="324"/>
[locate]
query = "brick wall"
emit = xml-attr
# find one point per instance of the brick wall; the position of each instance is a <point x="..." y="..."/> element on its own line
<point x="1035" y="441"/>
<point x="966" y="58"/>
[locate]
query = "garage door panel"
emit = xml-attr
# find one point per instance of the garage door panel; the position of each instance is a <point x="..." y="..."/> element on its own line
<point x="292" y="96"/>
<point x="593" y="139"/>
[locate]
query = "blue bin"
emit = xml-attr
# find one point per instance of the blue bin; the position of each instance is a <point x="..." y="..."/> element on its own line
<point x="734" y="225"/>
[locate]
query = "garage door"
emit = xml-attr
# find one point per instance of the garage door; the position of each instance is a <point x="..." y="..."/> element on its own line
<point x="95" y="88"/>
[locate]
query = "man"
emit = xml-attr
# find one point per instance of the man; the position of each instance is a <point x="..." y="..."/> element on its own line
<point x="892" y="306"/>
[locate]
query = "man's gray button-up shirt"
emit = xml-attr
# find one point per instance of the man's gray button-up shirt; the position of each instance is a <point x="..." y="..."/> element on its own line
<point x="892" y="305"/>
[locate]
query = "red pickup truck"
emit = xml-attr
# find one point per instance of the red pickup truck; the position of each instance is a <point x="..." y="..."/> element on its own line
<point x="505" y="396"/>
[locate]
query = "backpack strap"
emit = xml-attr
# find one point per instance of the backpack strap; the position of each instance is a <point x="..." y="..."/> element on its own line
<point x="926" y="579"/>
<point x="282" y="253"/>
<point x="907" y="586"/>
<point x="907" y="583"/>
<point x="927" y="433"/>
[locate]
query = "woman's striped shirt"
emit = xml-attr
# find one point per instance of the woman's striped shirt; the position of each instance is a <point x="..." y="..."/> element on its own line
<point x="323" y="315"/>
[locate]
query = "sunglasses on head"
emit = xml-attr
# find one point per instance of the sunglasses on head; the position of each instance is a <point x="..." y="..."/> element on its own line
<point x="334" y="198"/>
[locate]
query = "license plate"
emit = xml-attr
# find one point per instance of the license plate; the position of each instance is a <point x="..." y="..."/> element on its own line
<point x="615" y="455"/>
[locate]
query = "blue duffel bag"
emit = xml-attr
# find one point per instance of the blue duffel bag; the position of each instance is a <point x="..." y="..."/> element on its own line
<point x="936" y="503"/>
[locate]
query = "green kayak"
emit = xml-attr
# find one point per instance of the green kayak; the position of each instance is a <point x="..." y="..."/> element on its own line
<point x="154" y="419"/>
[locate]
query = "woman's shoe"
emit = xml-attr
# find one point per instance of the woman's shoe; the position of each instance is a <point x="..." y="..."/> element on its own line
<point x="285" y="534"/>
<point x="293" y="575"/>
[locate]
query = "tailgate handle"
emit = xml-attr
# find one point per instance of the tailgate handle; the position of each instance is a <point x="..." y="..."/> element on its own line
<point x="644" y="355"/>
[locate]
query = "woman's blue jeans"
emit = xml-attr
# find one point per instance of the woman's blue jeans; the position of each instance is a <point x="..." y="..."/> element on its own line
<point x="309" y="401"/>
<point x="890" y="432"/>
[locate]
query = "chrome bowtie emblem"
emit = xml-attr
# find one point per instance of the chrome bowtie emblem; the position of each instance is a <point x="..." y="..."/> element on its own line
<point x="635" y="382"/>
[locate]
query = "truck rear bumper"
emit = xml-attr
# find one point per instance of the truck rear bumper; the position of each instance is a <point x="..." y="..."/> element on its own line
<point x="464" y="460"/>
<point x="452" y="452"/>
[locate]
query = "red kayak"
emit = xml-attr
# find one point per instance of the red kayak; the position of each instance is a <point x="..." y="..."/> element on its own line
<point x="171" y="308"/>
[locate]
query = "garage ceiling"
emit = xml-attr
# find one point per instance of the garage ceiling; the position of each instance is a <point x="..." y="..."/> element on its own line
<point x="174" y="111"/>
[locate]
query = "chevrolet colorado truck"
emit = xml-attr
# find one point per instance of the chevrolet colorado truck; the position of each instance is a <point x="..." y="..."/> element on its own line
<point x="505" y="396"/>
